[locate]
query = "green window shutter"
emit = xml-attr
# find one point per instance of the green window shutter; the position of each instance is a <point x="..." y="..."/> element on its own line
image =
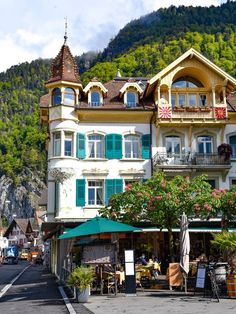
<point x="146" y="143"/>
<point x="80" y="150"/>
<point x="113" y="186"/>
<point x="113" y="146"/>
<point x="80" y="192"/>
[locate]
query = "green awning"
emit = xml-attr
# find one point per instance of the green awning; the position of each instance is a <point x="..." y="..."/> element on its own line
<point x="98" y="225"/>
<point x="84" y="241"/>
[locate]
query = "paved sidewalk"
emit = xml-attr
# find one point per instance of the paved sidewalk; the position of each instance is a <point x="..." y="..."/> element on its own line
<point x="161" y="302"/>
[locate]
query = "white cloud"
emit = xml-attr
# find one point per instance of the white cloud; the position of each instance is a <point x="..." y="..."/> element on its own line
<point x="35" y="29"/>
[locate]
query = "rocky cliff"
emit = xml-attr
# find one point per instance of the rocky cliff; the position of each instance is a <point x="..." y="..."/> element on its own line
<point x="20" y="199"/>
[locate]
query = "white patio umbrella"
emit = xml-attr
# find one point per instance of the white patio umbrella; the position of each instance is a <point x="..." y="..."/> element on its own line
<point x="184" y="248"/>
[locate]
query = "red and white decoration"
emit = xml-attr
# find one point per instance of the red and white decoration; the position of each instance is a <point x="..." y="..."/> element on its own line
<point x="165" y="112"/>
<point x="220" y="113"/>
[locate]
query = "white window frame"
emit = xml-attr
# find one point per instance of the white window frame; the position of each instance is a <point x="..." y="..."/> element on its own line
<point x="92" y="103"/>
<point x="205" y="142"/>
<point x="96" y="142"/>
<point x="56" y="144"/>
<point x="132" y="139"/>
<point x="95" y="185"/>
<point x="69" y="140"/>
<point x="173" y="140"/>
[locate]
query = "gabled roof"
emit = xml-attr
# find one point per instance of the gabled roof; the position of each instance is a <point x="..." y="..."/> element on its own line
<point x="131" y="84"/>
<point x="64" y="67"/>
<point x="23" y="223"/>
<point x="190" y="54"/>
<point x="95" y="83"/>
<point x="231" y="102"/>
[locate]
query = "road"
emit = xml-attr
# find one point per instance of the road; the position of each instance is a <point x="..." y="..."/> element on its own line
<point x="8" y="272"/>
<point x="35" y="291"/>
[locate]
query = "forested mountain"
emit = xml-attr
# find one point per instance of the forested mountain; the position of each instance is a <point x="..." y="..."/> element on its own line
<point x="172" y="23"/>
<point x="142" y="48"/>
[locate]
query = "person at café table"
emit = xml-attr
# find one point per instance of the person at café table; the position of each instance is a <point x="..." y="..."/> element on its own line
<point x="143" y="259"/>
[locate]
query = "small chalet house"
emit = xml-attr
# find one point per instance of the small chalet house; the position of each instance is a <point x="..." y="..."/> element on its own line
<point x="20" y="233"/>
<point x="103" y="136"/>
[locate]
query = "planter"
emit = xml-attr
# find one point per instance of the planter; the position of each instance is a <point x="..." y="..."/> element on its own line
<point x="205" y="109"/>
<point x="231" y="286"/>
<point x="83" y="295"/>
<point x="192" y="109"/>
<point x="178" y="109"/>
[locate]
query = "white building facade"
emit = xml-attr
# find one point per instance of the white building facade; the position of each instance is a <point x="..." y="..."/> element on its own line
<point x="105" y="136"/>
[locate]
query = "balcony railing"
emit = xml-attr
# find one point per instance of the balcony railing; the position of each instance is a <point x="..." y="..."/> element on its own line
<point x="189" y="159"/>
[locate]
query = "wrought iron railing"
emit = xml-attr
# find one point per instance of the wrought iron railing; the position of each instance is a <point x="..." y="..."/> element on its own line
<point x="190" y="159"/>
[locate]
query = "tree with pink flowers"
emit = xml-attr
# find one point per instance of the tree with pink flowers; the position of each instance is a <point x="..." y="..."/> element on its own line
<point x="162" y="201"/>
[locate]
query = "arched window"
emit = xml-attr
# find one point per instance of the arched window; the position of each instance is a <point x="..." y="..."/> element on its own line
<point x="69" y="97"/>
<point x="56" y="97"/>
<point x="186" y="82"/>
<point x="95" y="99"/>
<point x="131" y="99"/>
<point x="232" y="142"/>
<point x="185" y="93"/>
<point x="205" y="144"/>
<point x="173" y="144"/>
<point x="133" y="146"/>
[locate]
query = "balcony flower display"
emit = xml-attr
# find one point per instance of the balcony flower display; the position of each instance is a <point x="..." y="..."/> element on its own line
<point x="225" y="150"/>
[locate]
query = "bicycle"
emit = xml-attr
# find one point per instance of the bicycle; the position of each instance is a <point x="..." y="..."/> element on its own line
<point x="214" y="286"/>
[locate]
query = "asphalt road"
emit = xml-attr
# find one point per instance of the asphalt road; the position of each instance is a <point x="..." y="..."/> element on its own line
<point x="8" y="272"/>
<point x="35" y="291"/>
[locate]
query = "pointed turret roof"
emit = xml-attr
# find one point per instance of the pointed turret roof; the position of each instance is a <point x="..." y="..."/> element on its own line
<point x="64" y="67"/>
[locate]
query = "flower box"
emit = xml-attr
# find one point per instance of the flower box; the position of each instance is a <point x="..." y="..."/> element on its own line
<point x="192" y="109"/>
<point x="175" y="109"/>
<point x="205" y="109"/>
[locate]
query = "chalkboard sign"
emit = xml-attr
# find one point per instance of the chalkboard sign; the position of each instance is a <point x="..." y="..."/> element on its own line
<point x="98" y="254"/>
<point x="201" y="276"/>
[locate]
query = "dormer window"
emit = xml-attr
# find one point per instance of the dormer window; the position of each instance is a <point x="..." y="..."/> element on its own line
<point x="131" y="99"/>
<point x="95" y="99"/>
<point x="69" y="97"/>
<point x="56" y="96"/>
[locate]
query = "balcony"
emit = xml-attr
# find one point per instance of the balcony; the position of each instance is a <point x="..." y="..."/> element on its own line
<point x="190" y="162"/>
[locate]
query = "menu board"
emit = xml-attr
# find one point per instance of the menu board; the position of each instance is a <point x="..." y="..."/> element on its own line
<point x="98" y="254"/>
<point x="201" y="276"/>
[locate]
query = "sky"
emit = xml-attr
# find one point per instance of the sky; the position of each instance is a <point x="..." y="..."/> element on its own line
<point x="32" y="29"/>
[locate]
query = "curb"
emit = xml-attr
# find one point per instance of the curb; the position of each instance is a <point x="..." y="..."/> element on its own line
<point x="66" y="300"/>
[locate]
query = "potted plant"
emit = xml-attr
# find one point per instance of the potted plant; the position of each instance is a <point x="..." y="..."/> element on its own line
<point x="81" y="278"/>
<point x="225" y="151"/>
<point x="226" y="242"/>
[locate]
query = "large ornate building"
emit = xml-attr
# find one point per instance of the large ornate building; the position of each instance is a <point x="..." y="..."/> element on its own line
<point x="103" y="136"/>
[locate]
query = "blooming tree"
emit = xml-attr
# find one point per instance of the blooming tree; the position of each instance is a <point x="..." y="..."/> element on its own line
<point x="161" y="202"/>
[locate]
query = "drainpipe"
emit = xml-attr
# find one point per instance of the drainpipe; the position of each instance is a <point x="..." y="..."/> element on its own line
<point x="150" y="126"/>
